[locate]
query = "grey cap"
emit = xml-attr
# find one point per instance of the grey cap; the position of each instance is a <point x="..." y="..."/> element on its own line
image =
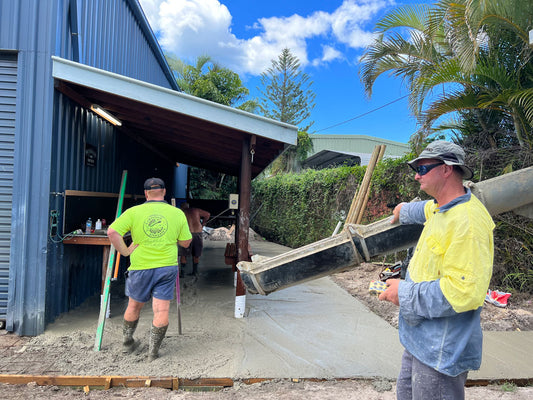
<point x="154" y="183"/>
<point x="449" y="153"/>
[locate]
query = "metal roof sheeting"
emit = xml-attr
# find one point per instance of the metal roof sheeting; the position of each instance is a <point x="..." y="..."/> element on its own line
<point x="359" y="144"/>
<point x="104" y="28"/>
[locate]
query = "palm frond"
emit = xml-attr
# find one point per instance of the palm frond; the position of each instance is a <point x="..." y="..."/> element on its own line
<point x="410" y="16"/>
<point x="524" y="98"/>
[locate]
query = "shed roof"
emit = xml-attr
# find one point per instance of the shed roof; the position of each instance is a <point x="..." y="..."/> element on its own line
<point x="358" y="144"/>
<point x="330" y="159"/>
<point x="179" y="127"/>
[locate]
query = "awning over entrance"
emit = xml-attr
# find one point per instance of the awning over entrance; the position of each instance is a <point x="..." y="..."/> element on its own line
<point x="179" y="127"/>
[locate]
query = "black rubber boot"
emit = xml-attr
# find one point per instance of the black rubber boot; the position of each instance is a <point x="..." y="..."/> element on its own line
<point x="194" y="269"/>
<point x="128" y="329"/>
<point x="156" y="338"/>
<point x="182" y="270"/>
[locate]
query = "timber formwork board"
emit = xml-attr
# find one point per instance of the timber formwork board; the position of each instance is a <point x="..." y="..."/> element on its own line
<point x="200" y="384"/>
<point x="107" y="382"/>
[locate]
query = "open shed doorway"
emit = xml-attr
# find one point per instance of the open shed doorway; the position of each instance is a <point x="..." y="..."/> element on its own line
<point x="184" y="129"/>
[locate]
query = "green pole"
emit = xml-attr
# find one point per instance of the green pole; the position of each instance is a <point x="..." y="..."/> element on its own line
<point x="109" y="272"/>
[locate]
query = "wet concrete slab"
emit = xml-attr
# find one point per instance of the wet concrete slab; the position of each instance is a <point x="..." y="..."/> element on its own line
<point x="312" y="330"/>
<point x="362" y="344"/>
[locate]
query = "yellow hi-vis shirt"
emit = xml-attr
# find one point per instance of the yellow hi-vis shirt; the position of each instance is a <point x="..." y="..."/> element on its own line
<point x="457" y="247"/>
<point x="156" y="227"/>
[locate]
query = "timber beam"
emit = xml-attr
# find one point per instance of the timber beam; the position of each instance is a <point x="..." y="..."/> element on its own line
<point x="173" y="383"/>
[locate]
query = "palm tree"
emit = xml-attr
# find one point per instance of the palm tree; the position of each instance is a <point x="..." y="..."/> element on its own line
<point x="475" y="51"/>
<point x="411" y="58"/>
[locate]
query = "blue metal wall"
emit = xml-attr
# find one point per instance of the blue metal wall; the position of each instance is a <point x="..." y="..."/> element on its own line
<point x="26" y="28"/>
<point x="46" y="279"/>
<point x="112" y="35"/>
<point x="8" y="98"/>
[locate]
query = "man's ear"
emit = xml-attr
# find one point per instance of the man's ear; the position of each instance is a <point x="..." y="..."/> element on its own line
<point x="448" y="170"/>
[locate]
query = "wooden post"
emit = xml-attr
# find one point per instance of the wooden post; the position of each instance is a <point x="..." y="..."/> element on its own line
<point x="361" y="197"/>
<point x="361" y="210"/>
<point x="245" y="184"/>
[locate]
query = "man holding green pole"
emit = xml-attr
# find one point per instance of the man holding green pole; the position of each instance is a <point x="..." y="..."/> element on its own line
<point x="156" y="227"/>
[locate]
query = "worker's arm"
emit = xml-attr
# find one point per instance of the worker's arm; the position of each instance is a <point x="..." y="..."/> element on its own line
<point x="118" y="243"/>
<point x="204" y="215"/>
<point x="409" y="213"/>
<point x="184" y="243"/>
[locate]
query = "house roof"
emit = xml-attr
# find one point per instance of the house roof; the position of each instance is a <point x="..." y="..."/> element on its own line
<point x="179" y="127"/>
<point x="356" y="144"/>
<point x="330" y="159"/>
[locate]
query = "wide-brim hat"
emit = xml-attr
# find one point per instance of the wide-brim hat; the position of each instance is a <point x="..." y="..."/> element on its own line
<point x="447" y="152"/>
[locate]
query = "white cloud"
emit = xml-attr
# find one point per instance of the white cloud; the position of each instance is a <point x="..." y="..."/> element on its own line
<point x="348" y="28"/>
<point x="190" y="28"/>
<point x="330" y="54"/>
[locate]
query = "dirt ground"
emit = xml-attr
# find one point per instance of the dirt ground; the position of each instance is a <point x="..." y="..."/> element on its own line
<point x="517" y="316"/>
<point x="271" y="390"/>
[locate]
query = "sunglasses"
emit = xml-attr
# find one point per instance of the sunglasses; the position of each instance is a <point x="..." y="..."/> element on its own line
<point x="424" y="169"/>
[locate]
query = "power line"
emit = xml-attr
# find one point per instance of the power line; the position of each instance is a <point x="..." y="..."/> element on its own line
<point x="362" y="115"/>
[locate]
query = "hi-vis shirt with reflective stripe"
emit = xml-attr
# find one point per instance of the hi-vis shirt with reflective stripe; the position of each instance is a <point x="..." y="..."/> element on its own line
<point x="456" y="246"/>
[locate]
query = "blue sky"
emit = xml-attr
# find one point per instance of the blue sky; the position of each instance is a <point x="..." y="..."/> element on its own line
<point x="328" y="36"/>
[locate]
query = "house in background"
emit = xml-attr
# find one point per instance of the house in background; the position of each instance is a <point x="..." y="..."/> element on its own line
<point x="334" y="150"/>
<point x="61" y="61"/>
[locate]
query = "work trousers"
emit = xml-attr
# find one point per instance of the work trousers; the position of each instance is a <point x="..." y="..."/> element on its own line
<point x="417" y="381"/>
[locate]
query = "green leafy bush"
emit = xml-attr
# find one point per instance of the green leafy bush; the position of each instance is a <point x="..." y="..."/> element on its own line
<point x="296" y="209"/>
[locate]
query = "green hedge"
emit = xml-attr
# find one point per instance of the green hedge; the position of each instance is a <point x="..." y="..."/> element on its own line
<point x="300" y="208"/>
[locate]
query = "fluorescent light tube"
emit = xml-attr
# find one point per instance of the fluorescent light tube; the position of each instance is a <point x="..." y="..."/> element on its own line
<point x="104" y="114"/>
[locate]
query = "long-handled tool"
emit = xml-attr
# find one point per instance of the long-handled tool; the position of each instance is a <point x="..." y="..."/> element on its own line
<point x="178" y="298"/>
<point x="178" y="301"/>
<point x="109" y="272"/>
<point x="117" y="265"/>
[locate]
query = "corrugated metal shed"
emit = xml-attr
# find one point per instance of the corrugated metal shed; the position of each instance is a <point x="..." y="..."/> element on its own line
<point x="357" y="144"/>
<point x="28" y="27"/>
<point x="107" y="33"/>
<point x="8" y="97"/>
<point x="104" y="28"/>
<point x="331" y="159"/>
<point x="52" y="131"/>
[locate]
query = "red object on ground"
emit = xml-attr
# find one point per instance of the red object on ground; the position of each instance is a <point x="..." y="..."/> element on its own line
<point x="497" y="298"/>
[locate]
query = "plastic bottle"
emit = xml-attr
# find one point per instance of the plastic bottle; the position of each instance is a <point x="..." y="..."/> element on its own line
<point x="98" y="225"/>
<point x="88" y="226"/>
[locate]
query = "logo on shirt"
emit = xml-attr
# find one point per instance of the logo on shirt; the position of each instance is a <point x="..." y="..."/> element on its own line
<point x="155" y="226"/>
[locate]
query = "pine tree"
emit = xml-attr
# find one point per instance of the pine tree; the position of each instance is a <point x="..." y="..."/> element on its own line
<point x="287" y="94"/>
<point x="287" y="97"/>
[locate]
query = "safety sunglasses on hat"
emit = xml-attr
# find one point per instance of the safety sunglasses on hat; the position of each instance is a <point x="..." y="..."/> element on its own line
<point x="424" y="169"/>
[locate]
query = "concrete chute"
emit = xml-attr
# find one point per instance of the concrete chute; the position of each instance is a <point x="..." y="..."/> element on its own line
<point x="359" y="243"/>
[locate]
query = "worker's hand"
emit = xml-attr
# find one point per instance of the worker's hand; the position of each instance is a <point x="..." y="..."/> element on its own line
<point x="391" y="293"/>
<point x="396" y="213"/>
<point x="131" y="248"/>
